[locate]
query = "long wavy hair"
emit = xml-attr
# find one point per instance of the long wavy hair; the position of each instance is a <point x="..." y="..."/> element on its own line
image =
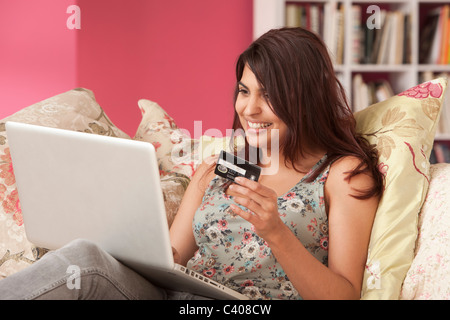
<point x="295" y="69"/>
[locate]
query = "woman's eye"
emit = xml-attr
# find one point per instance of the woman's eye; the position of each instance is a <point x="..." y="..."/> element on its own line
<point x="242" y="90"/>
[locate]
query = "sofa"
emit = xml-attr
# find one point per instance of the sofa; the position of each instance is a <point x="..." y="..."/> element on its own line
<point x="409" y="251"/>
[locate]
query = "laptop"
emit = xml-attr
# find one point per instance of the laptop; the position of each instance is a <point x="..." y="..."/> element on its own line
<point x="76" y="185"/>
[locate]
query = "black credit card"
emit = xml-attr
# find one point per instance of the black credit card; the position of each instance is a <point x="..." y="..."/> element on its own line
<point x="229" y="166"/>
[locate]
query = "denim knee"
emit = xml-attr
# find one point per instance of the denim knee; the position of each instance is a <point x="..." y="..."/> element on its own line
<point x="83" y="247"/>
<point x="83" y="253"/>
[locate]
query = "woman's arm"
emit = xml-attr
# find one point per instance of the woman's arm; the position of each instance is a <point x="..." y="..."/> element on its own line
<point x="350" y="224"/>
<point x="181" y="234"/>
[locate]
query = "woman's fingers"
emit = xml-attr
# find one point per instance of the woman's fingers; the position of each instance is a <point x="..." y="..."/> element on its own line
<point x="247" y="215"/>
<point x="256" y="187"/>
<point x="261" y="204"/>
<point x="253" y="199"/>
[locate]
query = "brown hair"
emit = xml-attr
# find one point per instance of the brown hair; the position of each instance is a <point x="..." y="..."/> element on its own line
<point x="293" y="66"/>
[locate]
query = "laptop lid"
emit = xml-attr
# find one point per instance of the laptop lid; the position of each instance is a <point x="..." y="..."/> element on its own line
<point x="79" y="185"/>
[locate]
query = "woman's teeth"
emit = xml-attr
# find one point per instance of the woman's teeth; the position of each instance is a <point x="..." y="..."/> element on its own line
<point x="258" y="125"/>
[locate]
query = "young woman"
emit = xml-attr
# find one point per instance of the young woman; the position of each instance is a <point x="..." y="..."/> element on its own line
<point x="302" y="232"/>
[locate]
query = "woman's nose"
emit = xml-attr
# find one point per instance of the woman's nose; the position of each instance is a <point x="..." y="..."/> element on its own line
<point x="253" y="106"/>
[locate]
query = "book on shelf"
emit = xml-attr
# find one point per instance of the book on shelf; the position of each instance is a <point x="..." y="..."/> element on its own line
<point x="306" y="15"/>
<point x="324" y="19"/>
<point x="440" y="153"/>
<point x="366" y="94"/>
<point x="389" y="44"/>
<point x="434" y="40"/>
<point x="357" y="35"/>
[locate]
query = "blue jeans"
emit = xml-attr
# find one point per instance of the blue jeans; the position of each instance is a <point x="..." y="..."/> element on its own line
<point x="82" y="270"/>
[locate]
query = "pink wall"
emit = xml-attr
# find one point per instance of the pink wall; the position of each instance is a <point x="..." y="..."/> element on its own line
<point x="178" y="53"/>
<point x="37" y="52"/>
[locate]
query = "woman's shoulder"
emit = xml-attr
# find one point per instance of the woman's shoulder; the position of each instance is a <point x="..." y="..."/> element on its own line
<point x="345" y="163"/>
<point x="339" y="175"/>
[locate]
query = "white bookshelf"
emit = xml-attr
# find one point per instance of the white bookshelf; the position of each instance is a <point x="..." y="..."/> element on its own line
<point x="269" y="14"/>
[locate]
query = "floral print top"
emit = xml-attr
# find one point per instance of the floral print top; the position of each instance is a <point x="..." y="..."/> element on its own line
<point x="230" y="252"/>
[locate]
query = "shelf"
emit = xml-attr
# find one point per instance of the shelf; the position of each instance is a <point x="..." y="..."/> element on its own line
<point x="442" y="137"/>
<point x="433" y="67"/>
<point x="381" y="67"/>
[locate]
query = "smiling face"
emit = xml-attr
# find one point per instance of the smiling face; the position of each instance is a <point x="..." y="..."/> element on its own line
<point x="259" y="122"/>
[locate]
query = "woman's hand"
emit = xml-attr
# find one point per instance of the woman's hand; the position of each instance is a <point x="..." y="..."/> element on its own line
<point x="262" y="205"/>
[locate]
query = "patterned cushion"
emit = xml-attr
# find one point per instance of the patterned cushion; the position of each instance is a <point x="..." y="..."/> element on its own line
<point x="403" y="129"/>
<point x="429" y="277"/>
<point x="73" y="110"/>
<point x="158" y="128"/>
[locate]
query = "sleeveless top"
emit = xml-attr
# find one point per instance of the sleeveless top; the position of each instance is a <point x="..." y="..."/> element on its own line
<point x="231" y="253"/>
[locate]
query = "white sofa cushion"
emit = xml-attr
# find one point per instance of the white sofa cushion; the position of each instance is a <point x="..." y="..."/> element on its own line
<point x="429" y="275"/>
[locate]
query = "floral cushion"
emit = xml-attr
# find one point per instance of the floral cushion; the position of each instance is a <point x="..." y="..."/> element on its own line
<point x="158" y="128"/>
<point x="73" y="110"/>
<point x="429" y="276"/>
<point x="403" y="129"/>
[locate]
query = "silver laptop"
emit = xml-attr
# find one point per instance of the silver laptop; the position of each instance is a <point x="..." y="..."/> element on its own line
<point x="75" y="185"/>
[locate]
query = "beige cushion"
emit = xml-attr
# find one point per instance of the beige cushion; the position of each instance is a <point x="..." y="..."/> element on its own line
<point x="429" y="276"/>
<point x="403" y="128"/>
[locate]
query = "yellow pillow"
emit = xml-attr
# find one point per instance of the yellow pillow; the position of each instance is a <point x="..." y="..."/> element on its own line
<point x="403" y="128"/>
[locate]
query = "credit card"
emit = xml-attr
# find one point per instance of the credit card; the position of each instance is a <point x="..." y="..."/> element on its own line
<point x="229" y="166"/>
